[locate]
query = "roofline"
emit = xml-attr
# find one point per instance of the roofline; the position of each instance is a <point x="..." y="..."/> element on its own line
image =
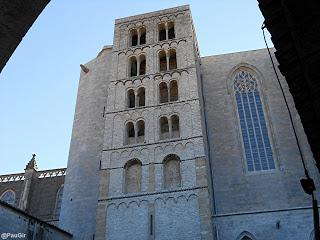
<point x="150" y="14"/>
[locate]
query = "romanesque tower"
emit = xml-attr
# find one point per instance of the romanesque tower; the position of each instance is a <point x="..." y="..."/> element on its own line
<point x="137" y="127"/>
<point x="153" y="172"/>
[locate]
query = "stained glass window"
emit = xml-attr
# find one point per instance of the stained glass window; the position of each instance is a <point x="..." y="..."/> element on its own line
<point x="257" y="147"/>
<point x="9" y="197"/>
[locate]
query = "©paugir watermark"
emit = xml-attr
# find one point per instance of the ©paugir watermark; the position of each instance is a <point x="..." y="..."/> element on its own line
<point x="13" y="235"/>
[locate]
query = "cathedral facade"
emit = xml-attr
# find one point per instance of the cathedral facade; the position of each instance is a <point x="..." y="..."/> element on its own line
<point x="170" y="145"/>
<point x="167" y="144"/>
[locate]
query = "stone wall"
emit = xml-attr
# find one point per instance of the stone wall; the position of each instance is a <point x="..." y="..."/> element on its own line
<point x="25" y="226"/>
<point x="41" y="195"/>
<point x="79" y="205"/>
<point x="240" y="194"/>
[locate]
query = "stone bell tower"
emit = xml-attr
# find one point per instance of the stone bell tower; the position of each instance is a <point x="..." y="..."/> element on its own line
<point x="153" y="182"/>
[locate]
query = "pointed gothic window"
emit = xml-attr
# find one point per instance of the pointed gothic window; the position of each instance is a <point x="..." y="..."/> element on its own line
<point x="8" y="196"/>
<point x="133" y="176"/>
<point x="58" y="202"/>
<point x="254" y="131"/>
<point x="172" y="176"/>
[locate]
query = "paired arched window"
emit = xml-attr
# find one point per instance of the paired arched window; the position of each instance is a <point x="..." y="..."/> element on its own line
<point x="168" y="93"/>
<point x="166" y="31"/>
<point x="136" y="98"/>
<point x="167" y="60"/>
<point x="169" y="127"/>
<point x="135" y="132"/>
<point x="138" y="37"/>
<point x="254" y="131"/>
<point x="58" y="202"/>
<point x="171" y="168"/>
<point x="133" y="173"/>
<point x="9" y="196"/>
<point x="137" y="66"/>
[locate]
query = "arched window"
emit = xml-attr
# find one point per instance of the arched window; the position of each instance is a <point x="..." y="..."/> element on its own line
<point x="172" y="176"/>
<point x="133" y="176"/>
<point x="141" y="97"/>
<point x="175" y="132"/>
<point x="140" y="127"/>
<point x="142" y="65"/>
<point x="254" y="131"/>
<point x="58" y="202"/>
<point x="131" y="98"/>
<point x="134" y="37"/>
<point x="172" y="59"/>
<point x="164" y="128"/>
<point x="162" y="61"/>
<point x="246" y="238"/>
<point x="163" y="92"/>
<point x="130" y="133"/>
<point x="142" y="34"/>
<point x="162" y="32"/>
<point x="171" y="33"/>
<point x="133" y="66"/>
<point x="173" y="91"/>
<point x="9" y="197"/>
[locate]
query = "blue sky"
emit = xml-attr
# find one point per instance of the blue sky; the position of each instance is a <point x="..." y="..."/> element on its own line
<point x="38" y="85"/>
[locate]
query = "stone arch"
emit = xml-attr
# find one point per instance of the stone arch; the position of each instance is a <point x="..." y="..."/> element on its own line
<point x="141" y="97"/>
<point x="8" y="196"/>
<point x="130" y="133"/>
<point x="131" y="99"/>
<point x="133" y="66"/>
<point x="133" y="33"/>
<point x="246" y="236"/>
<point x="162" y="31"/>
<point x="171" y="30"/>
<point x="172" y="59"/>
<point x="163" y="92"/>
<point x="162" y="60"/>
<point x="133" y="176"/>
<point x="173" y="92"/>
<point x="164" y="127"/>
<point x="175" y="126"/>
<point x="171" y="171"/>
<point x="140" y="131"/>
<point x="142" y="35"/>
<point x="142" y="64"/>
